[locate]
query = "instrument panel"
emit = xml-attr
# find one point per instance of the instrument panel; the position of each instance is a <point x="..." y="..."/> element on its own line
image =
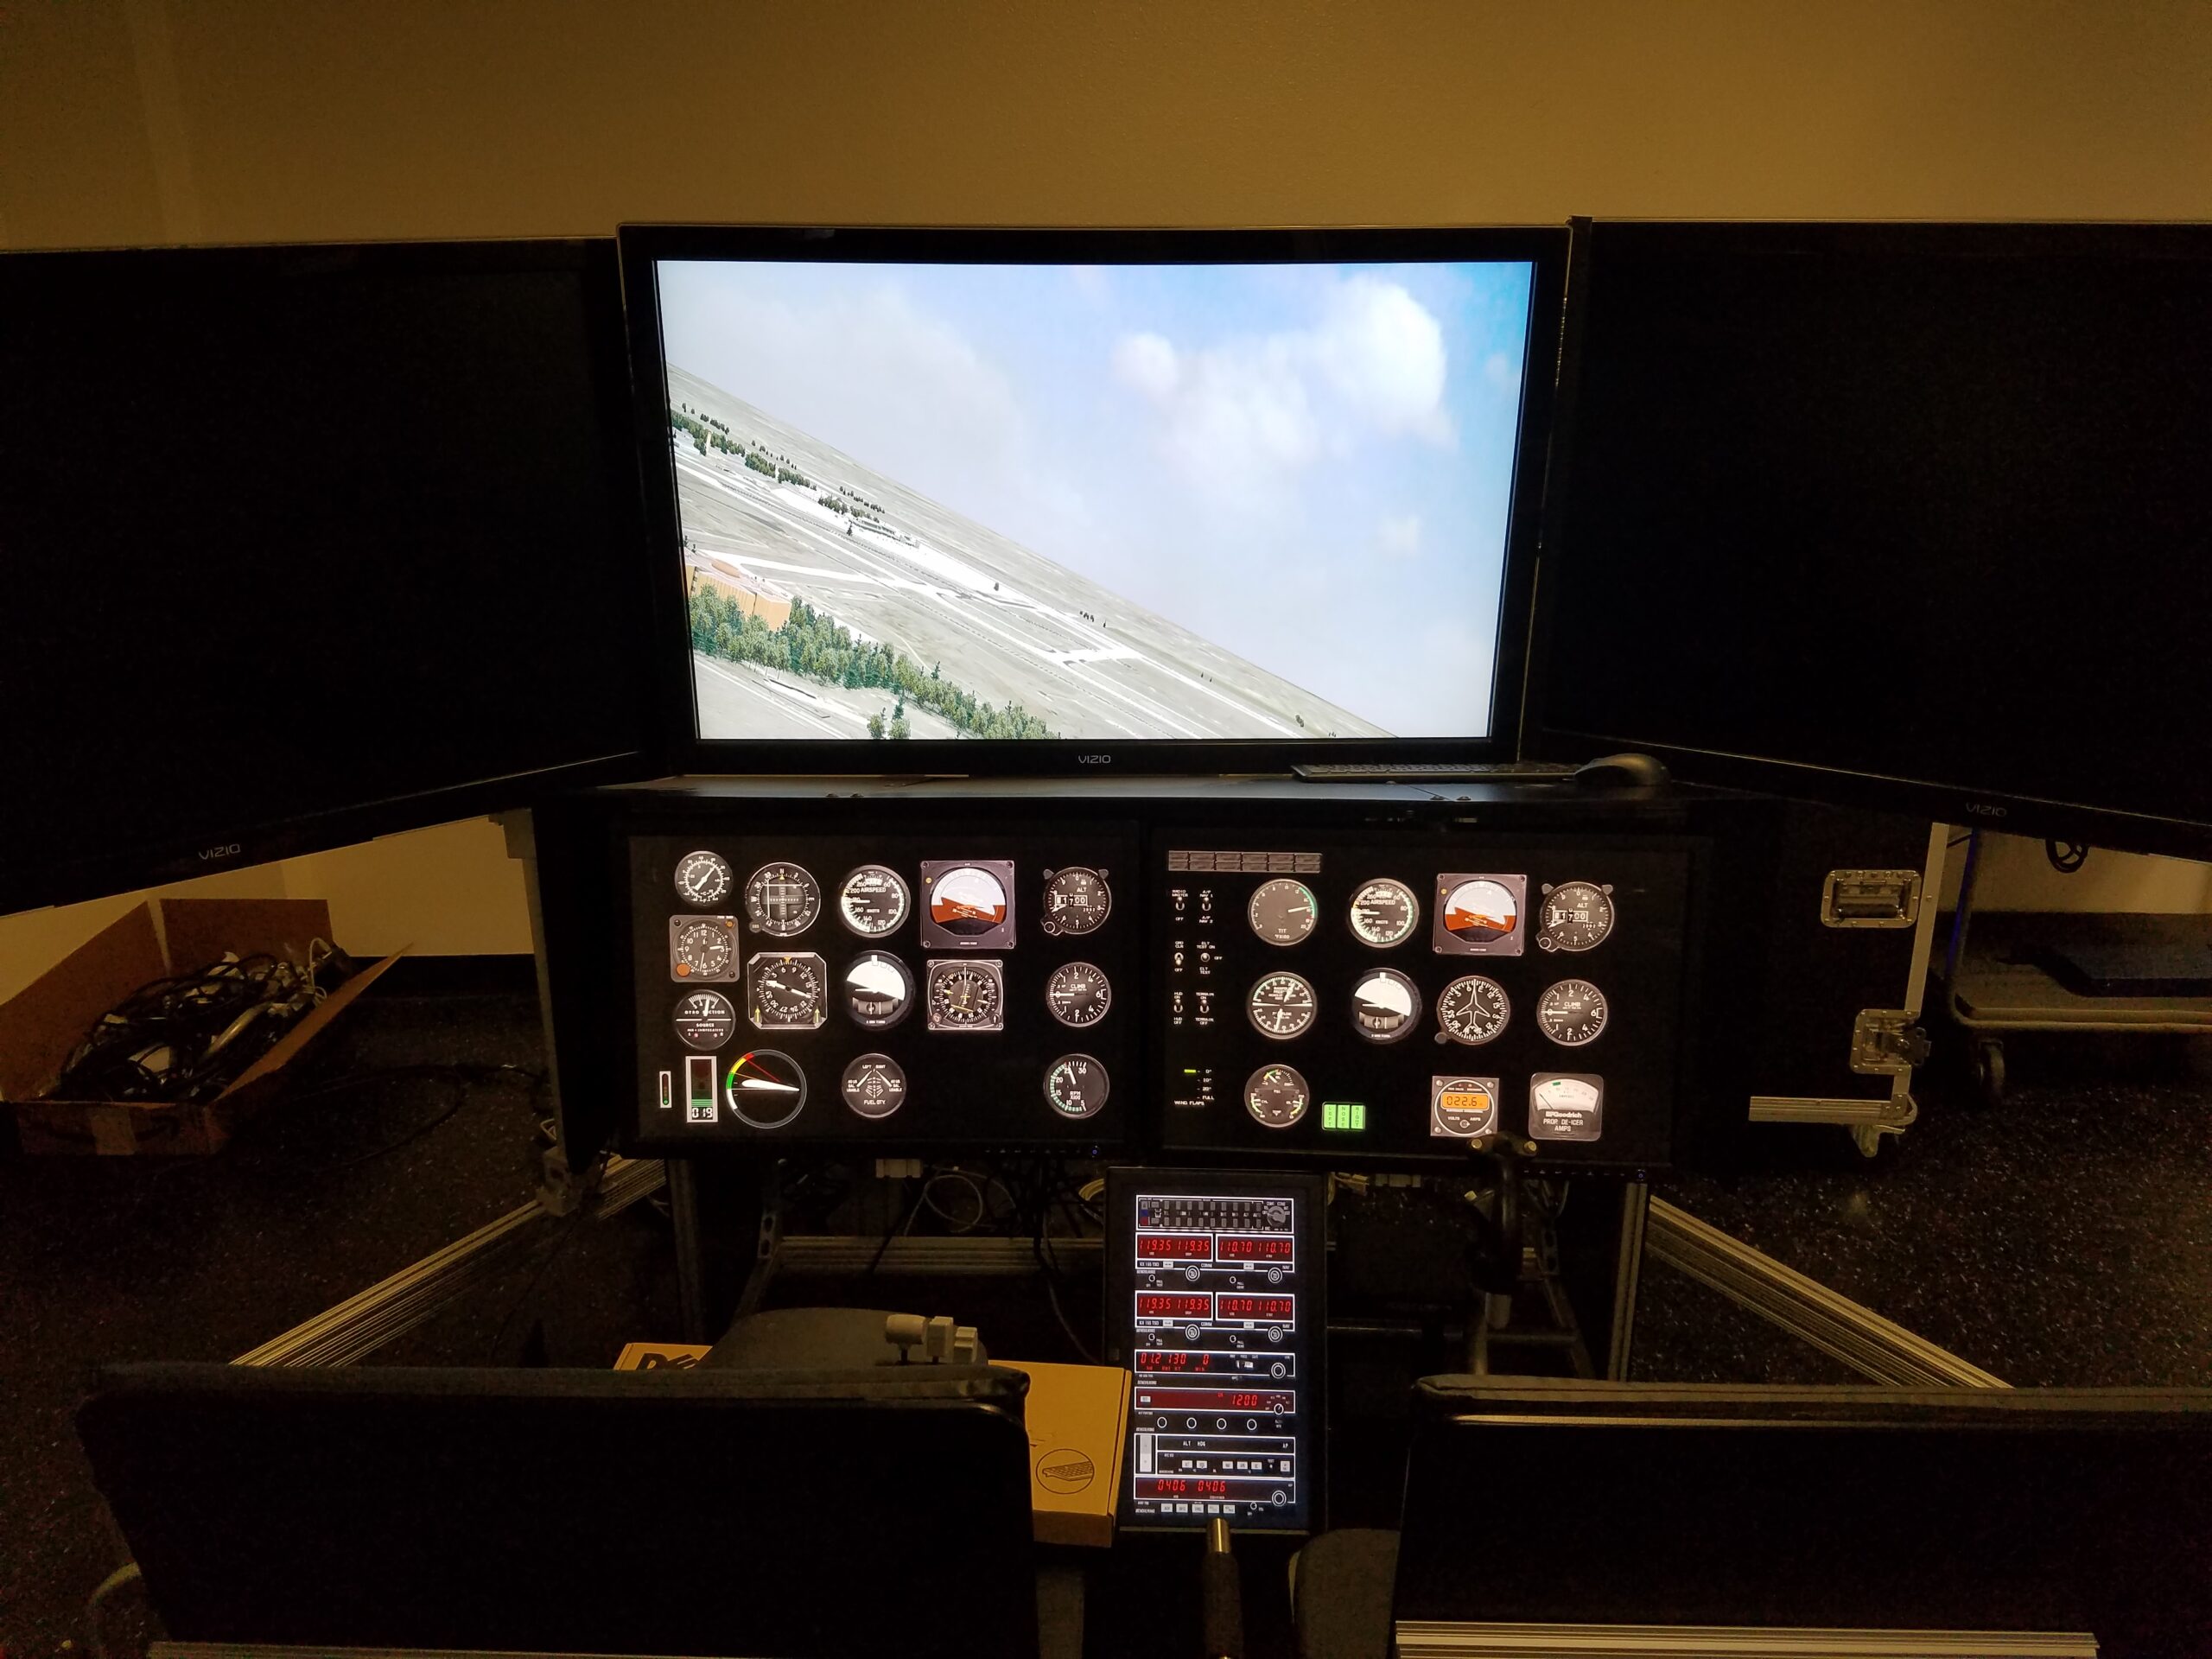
<point x="1330" y="996"/>
<point x="946" y="987"/>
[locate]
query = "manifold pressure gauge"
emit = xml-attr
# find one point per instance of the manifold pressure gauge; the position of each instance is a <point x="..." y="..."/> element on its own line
<point x="1281" y="1005"/>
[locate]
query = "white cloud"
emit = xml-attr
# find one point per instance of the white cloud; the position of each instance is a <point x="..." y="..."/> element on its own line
<point x="1399" y="537"/>
<point x="1148" y="362"/>
<point x="1384" y="354"/>
<point x="1497" y="369"/>
<point x="1237" y="417"/>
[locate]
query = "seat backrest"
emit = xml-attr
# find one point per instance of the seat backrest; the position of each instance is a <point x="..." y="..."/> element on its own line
<point x="807" y="1514"/>
<point x="1968" y="1508"/>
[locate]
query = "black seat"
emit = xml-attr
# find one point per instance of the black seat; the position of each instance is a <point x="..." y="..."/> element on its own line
<point x="1547" y="1503"/>
<point x="801" y="1513"/>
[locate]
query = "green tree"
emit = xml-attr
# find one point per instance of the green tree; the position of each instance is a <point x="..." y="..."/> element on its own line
<point x="875" y="726"/>
<point x="899" y="731"/>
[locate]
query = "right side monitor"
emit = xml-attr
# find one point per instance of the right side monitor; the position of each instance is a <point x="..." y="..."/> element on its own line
<point x="1917" y="514"/>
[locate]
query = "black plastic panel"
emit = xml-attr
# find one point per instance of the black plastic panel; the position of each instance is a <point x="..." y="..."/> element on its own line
<point x="1380" y="1099"/>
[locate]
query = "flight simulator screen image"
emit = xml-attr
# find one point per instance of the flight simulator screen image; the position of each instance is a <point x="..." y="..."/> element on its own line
<point x="1200" y="502"/>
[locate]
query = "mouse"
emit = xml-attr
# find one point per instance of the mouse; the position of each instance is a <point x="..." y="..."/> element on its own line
<point x="1624" y="771"/>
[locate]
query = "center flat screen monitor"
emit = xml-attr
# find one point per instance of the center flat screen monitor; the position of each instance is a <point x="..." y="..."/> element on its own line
<point x="971" y="501"/>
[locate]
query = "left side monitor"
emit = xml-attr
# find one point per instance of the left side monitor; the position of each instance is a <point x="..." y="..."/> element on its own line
<point x="300" y="545"/>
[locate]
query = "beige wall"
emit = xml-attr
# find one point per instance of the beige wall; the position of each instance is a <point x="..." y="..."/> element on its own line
<point x="148" y="121"/>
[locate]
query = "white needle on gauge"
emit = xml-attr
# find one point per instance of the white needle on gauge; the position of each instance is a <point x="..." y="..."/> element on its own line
<point x="763" y="1084"/>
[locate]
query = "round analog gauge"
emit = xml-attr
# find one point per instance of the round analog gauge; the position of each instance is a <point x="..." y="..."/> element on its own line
<point x="781" y="901"/>
<point x="765" y="1088"/>
<point x="1077" y="1086"/>
<point x="702" y="878"/>
<point x="1480" y="911"/>
<point x="1276" y="1096"/>
<point x="1077" y="902"/>
<point x="1282" y="1006"/>
<point x="873" y="1085"/>
<point x="703" y="947"/>
<point x="1571" y="1013"/>
<point x="1464" y="1106"/>
<point x="873" y="901"/>
<point x="787" y="992"/>
<point x="878" y="991"/>
<point x="1575" y="916"/>
<point x="1283" y="912"/>
<point x="705" y="1020"/>
<point x="1077" y="994"/>
<point x="1385" y="1006"/>
<point x="967" y="902"/>
<point x="965" y="996"/>
<point x="1473" y="1009"/>
<point x="1384" y="914"/>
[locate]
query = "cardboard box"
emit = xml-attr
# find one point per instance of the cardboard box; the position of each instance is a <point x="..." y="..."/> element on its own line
<point x="1079" y="1420"/>
<point x="43" y="1024"/>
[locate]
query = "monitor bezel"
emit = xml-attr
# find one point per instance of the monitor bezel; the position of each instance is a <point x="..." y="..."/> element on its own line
<point x="132" y="862"/>
<point x="1938" y="800"/>
<point x="1544" y="248"/>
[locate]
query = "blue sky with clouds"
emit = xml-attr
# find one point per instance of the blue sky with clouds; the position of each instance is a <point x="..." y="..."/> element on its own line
<point x="1310" y="465"/>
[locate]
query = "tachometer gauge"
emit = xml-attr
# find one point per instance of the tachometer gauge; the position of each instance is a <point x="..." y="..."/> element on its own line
<point x="878" y="991"/>
<point x="1383" y="913"/>
<point x="1077" y="994"/>
<point x="702" y="878"/>
<point x="765" y="1088"/>
<point x="873" y="900"/>
<point x="1385" y="1006"/>
<point x="1462" y="1108"/>
<point x="1077" y="902"/>
<point x="1473" y="1009"/>
<point x="701" y="947"/>
<point x="967" y="906"/>
<point x="1281" y="1005"/>
<point x="781" y="901"/>
<point x="1282" y="912"/>
<point x="787" y="990"/>
<point x="1276" y="1096"/>
<point x="966" y="996"/>
<point x="1571" y="1013"/>
<point x="705" y="1020"/>
<point x="1077" y="1086"/>
<point x="1574" y="916"/>
<point x="873" y="1086"/>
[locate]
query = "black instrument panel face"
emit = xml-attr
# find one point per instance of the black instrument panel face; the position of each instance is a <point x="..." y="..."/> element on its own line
<point x="1215" y="1303"/>
<point x="1330" y="995"/>
<point x="919" y="987"/>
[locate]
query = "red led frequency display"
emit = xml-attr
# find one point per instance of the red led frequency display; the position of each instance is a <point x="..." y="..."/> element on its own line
<point x="1182" y="1305"/>
<point x="1280" y="1401"/>
<point x="1176" y="1247"/>
<point x="1251" y="1250"/>
<point x="1252" y="1307"/>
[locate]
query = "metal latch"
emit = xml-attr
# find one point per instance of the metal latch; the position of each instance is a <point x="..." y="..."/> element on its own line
<point x="1885" y="1042"/>
<point x="1870" y="899"/>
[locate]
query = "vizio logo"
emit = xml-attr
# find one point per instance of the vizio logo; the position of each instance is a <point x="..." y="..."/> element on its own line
<point x="229" y="849"/>
<point x="1095" y="759"/>
<point x="1985" y="808"/>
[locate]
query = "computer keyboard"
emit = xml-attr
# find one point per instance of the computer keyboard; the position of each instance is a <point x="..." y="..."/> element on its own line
<point x="1490" y="771"/>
